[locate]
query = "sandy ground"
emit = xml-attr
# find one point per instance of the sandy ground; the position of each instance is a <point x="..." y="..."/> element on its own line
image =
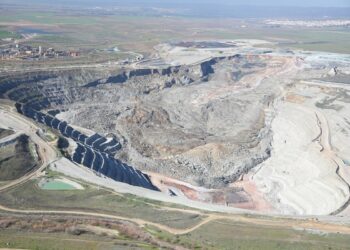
<point x="177" y="55"/>
<point x="257" y="200"/>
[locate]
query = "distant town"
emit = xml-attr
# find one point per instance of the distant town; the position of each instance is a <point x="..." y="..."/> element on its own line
<point x="310" y="23"/>
<point x="16" y="51"/>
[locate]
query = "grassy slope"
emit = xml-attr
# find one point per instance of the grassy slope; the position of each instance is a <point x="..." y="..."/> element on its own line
<point x="226" y="234"/>
<point x="234" y="235"/>
<point x="59" y="241"/>
<point x="218" y="234"/>
<point x="30" y="196"/>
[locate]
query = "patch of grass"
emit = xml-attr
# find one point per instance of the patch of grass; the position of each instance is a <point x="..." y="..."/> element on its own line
<point x="30" y="196"/>
<point x="45" y="18"/>
<point x="161" y="203"/>
<point x="32" y="151"/>
<point x="226" y="234"/>
<point x="36" y="240"/>
<point x="50" y="137"/>
<point x="8" y="34"/>
<point x="52" y="174"/>
<point x="174" y="239"/>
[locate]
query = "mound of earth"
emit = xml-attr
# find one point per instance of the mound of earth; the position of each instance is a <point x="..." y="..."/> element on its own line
<point x="5" y="132"/>
<point x="16" y="159"/>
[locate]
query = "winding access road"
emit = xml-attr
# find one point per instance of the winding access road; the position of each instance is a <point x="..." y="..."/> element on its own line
<point x="47" y="153"/>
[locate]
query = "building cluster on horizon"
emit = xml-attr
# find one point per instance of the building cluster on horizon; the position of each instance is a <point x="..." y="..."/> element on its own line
<point x="27" y="52"/>
<point x="310" y="23"/>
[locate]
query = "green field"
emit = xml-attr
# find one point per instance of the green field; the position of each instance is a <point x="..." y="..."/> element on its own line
<point x="231" y="235"/>
<point x="8" y="34"/>
<point x="61" y="241"/>
<point x="141" y="33"/>
<point x="93" y="35"/>
<point x="215" y="234"/>
<point x="235" y="235"/>
<point x="30" y="196"/>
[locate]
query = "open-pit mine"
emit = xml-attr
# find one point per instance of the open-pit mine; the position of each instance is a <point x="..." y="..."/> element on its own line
<point x="218" y="125"/>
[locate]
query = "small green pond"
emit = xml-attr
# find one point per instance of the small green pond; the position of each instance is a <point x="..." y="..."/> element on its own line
<point x="57" y="185"/>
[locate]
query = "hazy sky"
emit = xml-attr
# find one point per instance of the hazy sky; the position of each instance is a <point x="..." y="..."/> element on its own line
<point x="299" y="3"/>
<point x="295" y="3"/>
<point x="211" y="8"/>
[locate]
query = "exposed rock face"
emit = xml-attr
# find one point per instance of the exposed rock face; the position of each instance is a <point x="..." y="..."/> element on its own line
<point x="93" y="152"/>
<point x="199" y="123"/>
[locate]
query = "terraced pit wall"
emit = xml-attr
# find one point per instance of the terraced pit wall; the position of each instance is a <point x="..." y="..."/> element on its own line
<point x="95" y="152"/>
<point x="181" y="121"/>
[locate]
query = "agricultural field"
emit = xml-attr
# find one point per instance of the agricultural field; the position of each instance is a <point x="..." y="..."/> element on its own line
<point x="7" y="34"/>
<point x="76" y="30"/>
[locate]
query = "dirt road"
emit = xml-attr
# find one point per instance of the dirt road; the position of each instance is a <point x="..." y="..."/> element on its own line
<point x="47" y="154"/>
<point x="326" y="148"/>
<point x="281" y="223"/>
